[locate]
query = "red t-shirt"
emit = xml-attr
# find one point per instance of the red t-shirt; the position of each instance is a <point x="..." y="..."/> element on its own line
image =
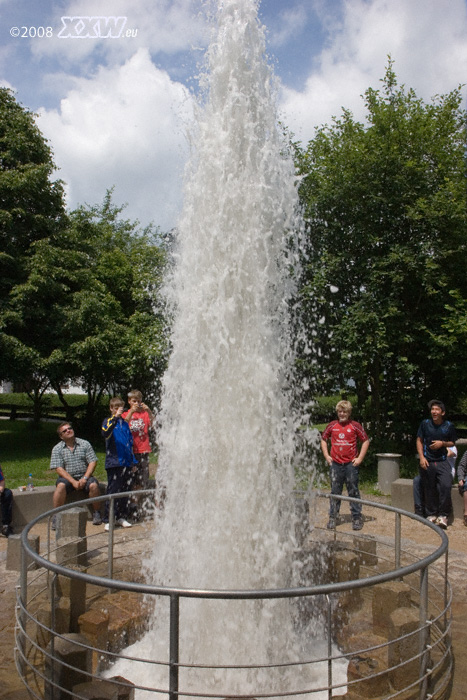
<point x="139" y="423"/>
<point x="344" y="438"/>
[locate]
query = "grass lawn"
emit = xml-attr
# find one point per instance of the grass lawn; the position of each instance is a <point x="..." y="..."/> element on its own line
<point x="25" y="450"/>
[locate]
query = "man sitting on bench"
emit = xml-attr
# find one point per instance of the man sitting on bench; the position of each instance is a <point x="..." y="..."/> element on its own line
<point x="74" y="460"/>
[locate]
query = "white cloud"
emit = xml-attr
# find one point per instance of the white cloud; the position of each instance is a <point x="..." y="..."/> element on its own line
<point x="124" y="126"/>
<point x="425" y="39"/>
<point x="290" y="23"/>
<point x="166" y="26"/>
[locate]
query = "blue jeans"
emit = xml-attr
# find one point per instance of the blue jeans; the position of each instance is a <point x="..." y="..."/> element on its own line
<point x="344" y="474"/>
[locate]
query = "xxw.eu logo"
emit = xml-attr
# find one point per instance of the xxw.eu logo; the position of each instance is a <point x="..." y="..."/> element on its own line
<point x="92" y="28"/>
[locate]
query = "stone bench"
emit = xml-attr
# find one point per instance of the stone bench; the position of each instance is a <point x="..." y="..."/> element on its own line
<point x="402" y="497"/>
<point x="28" y="505"/>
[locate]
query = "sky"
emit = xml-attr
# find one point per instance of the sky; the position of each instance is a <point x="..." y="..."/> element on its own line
<point x="116" y="109"/>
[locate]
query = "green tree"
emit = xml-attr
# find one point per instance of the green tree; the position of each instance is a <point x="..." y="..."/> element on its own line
<point x="87" y="311"/>
<point x="31" y="205"/>
<point x="387" y="230"/>
<point x="31" y="208"/>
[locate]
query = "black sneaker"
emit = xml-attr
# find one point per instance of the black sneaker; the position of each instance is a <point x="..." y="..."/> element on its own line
<point x="7" y="530"/>
<point x="357" y="524"/>
<point x="96" y="518"/>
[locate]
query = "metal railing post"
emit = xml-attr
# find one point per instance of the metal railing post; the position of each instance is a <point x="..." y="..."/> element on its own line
<point x="424" y="632"/>
<point x="23" y="603"/>
<point x="174" y="646"/>
<point x="329" y="635"/>
<point x="110" y="556"/>
<point x="52" y="637"/>
<point x="397" y="541"/>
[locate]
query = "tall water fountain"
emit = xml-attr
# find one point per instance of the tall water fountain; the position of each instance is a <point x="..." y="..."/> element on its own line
<point x="227" y="440"/>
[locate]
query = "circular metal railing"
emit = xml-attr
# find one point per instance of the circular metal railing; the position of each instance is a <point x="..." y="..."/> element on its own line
<point x="65" y="645"/>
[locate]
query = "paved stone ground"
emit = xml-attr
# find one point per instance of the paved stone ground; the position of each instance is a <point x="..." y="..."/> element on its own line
<point x="415" y="537"/>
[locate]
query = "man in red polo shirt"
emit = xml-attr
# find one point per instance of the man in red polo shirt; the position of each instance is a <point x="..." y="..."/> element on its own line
<point x="344" y="461"/>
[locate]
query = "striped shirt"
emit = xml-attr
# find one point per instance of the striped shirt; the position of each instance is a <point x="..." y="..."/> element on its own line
<point x="74" y="461"/>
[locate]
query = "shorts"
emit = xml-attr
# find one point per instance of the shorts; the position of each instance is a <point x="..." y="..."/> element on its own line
<point x="69" y="486"/>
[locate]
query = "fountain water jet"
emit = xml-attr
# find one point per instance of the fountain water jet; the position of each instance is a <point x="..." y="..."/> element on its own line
<point x="227" y="437"/>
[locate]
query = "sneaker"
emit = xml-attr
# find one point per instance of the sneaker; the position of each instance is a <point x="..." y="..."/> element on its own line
<point x="357" y="524"/>
<point x="432" y="518"/>
<point x="442" y="522"/>
<point x="331" y="524"/>
<point x="7" y="530"/>
<point x="123" y="523"/>
<point x="53" y="524"/>
<point x="106" y="527"/>
<point x="96" y="518"/>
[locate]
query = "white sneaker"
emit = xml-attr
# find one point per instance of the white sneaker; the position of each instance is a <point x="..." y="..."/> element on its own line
<point x="442" y="522"/>
<point x="106" y="527"/>
<point x="123" y="523"/>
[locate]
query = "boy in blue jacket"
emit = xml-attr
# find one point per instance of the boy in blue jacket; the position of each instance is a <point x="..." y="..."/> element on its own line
<point x="119" y="460"/>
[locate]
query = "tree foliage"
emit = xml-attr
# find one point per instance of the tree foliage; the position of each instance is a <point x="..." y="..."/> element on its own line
<point x="87" y="311"/>
<point x="386" y="207"/>
<point x="31" y="205"/>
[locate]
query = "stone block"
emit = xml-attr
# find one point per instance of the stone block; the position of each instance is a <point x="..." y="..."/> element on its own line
<point x="94" y="625"/>
<point x="135" y="610"/>
<point x="71" y="551"/>
<point x="302" y="520"/>
<point x="69" y="666"/>
<point x="96" y="690"/>
<point x="347" y="568"/>
<point x="365" y="548"/>
<point x="387" y="597"/>
<point x="72" y="523"/>
<point x="75" y="591"/>
<point x="402" y="494"/>
<point x="119" y="629"/>
<point x="404" y="621"/>
<point x="125" y="688"/>
<point x="13" y="557"/>
<point x="368" y="673"/>
<point x="44" y="618"/>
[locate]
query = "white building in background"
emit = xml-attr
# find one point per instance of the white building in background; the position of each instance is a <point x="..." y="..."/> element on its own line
<point x="7" y="388"/>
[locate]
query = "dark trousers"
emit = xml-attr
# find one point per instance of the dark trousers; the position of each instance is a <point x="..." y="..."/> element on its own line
<point x="344" y="474"/>
<point x="7" y="506"/>
<point x="418" y="496"/>
<point x="437" y="484"/>
<point x="119" y="479"/>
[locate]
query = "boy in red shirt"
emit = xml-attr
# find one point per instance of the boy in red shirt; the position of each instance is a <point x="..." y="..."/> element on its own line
<point x="344" y="461"/>
<point x="140" y="418"/>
